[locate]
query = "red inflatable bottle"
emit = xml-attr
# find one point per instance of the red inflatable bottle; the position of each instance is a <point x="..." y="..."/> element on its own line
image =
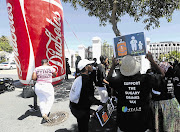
<point x="37" y="33"/>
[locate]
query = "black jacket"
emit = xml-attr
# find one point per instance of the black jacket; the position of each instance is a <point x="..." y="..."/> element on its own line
<point x="87" y="94"/>
<point x="101" y="74"/>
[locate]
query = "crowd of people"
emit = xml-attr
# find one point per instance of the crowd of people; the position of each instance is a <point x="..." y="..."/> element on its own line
<point x="145" y="102"/>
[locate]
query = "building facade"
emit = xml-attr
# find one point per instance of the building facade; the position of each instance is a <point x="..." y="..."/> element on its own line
<point x="163" y="48"/>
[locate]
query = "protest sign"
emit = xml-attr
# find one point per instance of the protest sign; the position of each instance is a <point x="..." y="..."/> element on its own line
<point x="132" y="44"/>
<point x="105" y="112"/>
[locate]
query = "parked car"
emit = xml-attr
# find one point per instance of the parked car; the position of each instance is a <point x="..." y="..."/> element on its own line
<point x="8" y="65"/>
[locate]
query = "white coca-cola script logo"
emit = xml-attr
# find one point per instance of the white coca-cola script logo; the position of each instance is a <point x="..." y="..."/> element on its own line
<point x="54" y="55"/>
<point x="14" y="38"/>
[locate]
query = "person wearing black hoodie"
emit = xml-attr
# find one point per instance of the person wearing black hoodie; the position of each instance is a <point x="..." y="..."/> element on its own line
<point x="82" y="95"/>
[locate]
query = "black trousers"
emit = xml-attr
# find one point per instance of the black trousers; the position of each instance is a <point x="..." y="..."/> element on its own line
<point x="82" y="116"/>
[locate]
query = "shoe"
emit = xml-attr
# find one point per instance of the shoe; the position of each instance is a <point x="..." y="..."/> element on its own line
<point x="46" y="118"/>
<point x="33" y="110"/>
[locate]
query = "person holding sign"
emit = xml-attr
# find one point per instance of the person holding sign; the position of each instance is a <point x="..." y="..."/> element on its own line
<point x="133" y="90"/>
<point x="82" y="95"/>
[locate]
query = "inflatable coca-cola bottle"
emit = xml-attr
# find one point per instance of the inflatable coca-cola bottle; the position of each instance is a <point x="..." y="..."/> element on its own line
<point x="37" y="33"/>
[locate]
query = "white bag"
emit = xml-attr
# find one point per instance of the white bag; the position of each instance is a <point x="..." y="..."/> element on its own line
<point x="76" y="90"/>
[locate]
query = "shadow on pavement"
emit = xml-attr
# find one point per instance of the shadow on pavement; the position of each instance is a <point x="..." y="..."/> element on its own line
<point x="30" y="113"/>
<point x="62" y="90"/>
<point x="61" y="94"/>
<point x="73" y="129"/>
<point x="94" y="125"/>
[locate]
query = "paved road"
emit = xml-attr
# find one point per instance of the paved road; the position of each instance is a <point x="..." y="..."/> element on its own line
<point x="9" y="73"/>
<point x="16" y="117"/>
<point x="14" y="114"/>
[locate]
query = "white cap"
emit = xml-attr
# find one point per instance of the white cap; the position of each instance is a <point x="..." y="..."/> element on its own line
<point x="82" y="63"/>
<point x="129" y="66"/>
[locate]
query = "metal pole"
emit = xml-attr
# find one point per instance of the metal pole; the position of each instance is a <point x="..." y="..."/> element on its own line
<point x="35" y="98"/>
<point x="35" y="102"/>
<point x="109" y="51"/>
<point x="176" y="51"/>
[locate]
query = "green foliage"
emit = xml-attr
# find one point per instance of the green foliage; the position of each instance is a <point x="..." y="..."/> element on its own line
<point x="173" y="55"/>
<point x="107" y="50"/>
<point x="112" y="10"/>
<point x="4" y="45"/>
<point x="3" y="60"/>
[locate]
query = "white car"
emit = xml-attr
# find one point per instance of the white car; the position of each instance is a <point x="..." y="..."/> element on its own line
<point x="8" y="65"/>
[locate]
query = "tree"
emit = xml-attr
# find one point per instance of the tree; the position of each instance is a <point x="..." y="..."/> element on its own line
<point x="107" y="49"/>
<point x="4" y="45"/>
<point x="112" y="11"/>
<point x="171" y="56"/>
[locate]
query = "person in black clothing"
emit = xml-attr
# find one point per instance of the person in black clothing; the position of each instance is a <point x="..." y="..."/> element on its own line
<point x="95" y="62"/>
<point x="93" y="73"/>
<point x="133" y="89"/>
<point x="155" y="97"/>
<point x="78" y="58"/>
<point x="177" y="82"/>
<point x="101" y="79"/>
<point x="167" y="108"/>
<point x="68" y="71"/>
<point x="82" y="95"/>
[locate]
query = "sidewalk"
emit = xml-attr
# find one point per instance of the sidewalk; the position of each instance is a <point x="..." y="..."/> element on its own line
<point x="16" y="117"/>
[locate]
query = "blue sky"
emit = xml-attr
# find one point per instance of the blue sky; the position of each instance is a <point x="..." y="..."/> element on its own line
<point x="86" y="27"/>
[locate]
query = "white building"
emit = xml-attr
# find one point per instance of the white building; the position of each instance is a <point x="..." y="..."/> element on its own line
<point x="81" y="51"/>
<point x="70" y="54"/>
<point x="96" y="48"/>
<point x="163" y="48"/>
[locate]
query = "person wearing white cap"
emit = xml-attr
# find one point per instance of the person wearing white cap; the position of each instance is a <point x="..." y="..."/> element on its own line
<point x="82" y="95"/>
<point x="133" y="90"/>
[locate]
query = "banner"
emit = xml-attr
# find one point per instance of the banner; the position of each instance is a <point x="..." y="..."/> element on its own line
<point x="105" y="112"/>
<point x="37" y="33"/>
<point x="132" y="44"/>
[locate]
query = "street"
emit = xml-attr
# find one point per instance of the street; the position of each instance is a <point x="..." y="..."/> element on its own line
<point x="16" y="117"/>
<point x="15" y="114"/>
<point x="9" y="73"/>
